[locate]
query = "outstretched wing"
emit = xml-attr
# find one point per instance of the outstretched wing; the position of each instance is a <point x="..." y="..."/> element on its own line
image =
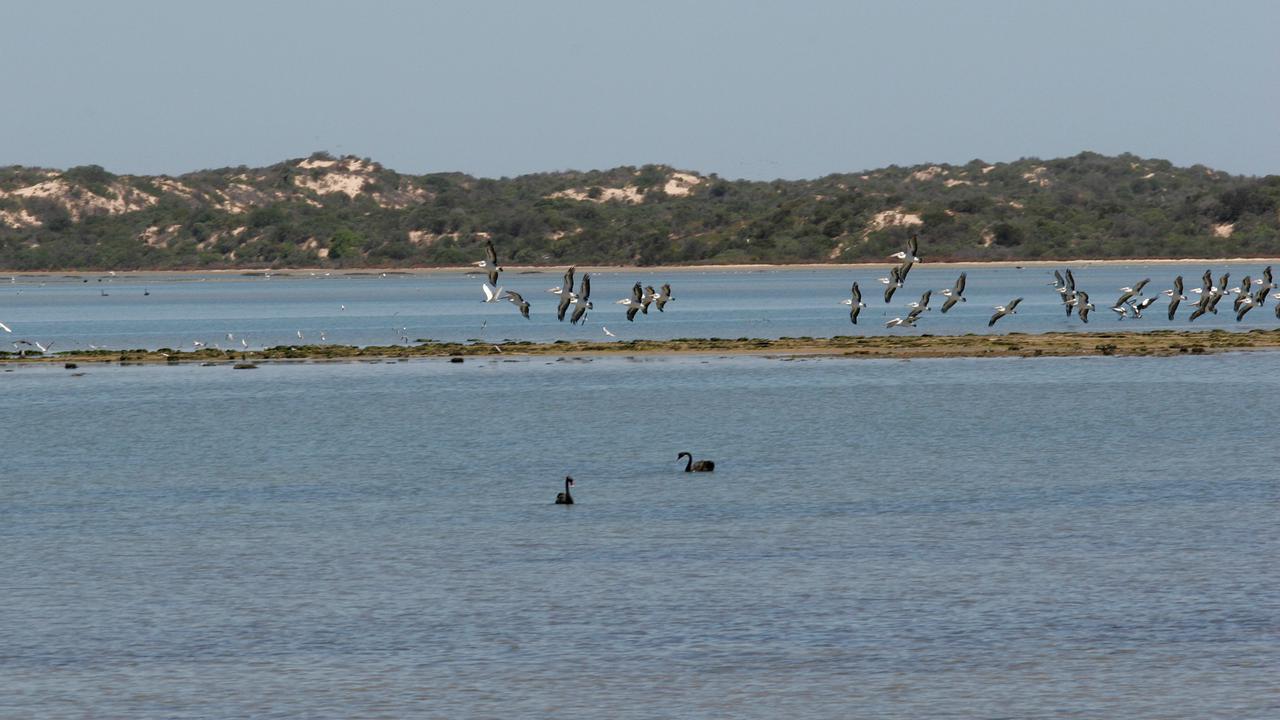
<point x="631" y="312"/>
<point x="951" y="301"/>
<point x="857" y="294"/>
<point x="563" y="307"/>
<point x="585" y="291"/>
<point x="959" y="288"/>
<point x="567" y="287"/>
<point x="1012" y="305"/>
<point x="490" y="254"/>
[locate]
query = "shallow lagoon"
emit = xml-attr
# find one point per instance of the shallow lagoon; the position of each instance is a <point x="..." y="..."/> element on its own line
<point x="968" y="538"/>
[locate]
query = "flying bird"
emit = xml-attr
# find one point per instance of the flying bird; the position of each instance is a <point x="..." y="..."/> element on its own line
<point x="490" y="262"/>
<point x="855" y="303"/>
<point x="955" y="294"/>
<point x="519" y="302"/>
<point x="566" y="295"/>
<point x="664" y="297"/>
<point x="633" y="303"/>
<point x="1175" y="296"/>
<point x="584" y="300"/>
<point x="1002" y="310"/>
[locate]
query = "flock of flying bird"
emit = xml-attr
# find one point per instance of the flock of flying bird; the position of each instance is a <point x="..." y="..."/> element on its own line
<point x="1248" y="295"/>
<point x="1131" y="303"/>
<point x="639" y="301"/>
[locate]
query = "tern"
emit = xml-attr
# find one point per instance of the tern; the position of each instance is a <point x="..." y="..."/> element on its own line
<point x="491" y="294"/>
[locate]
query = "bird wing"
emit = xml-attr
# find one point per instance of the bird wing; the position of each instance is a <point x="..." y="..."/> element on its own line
<point x="960" y="281"/>
<point x="1058" y="281"/>
<point x="949" y="303"/>
<point x="666" y="291"/>
<point x="905" y="268"/>
<point x="1141" y="284"/>
<point x="1012" y="305"/>
<point x="1177" y="285"/>
<point x="1173" y="305"/>
<point x="856" y="294"/>
<point x="913" y="245"/>
<point x="514" y="297"/>
<point x="563" y="307"/>
<point x="1071" y="280"/>
<point x="924" y="299"/>
<point x="998" y="314"/>
<point x="490" y="253"/>
<point x="889" y="291"/>
<point x="585" y="291"/>
<point x="631" y="312"/>
<point x="853" y="313"/>
<point x="637" y="293"/>
<point x="568" y="282"/>
<point x="493" y="276"/>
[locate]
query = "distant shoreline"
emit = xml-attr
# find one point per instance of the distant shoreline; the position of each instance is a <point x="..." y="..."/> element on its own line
<point x="452" y="269"/>
<point x="1055" y="344"/>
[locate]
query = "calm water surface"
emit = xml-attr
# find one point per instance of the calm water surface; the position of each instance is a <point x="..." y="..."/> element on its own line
<point x="1021" y="538"/>
<point x="367" y="309"/>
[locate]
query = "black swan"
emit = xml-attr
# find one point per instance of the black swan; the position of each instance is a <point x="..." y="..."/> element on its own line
<point x="700" y="466"/>
<point x="565" y="498"/>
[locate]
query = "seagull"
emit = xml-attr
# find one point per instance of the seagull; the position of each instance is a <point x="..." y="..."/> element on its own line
<point x="1175" y="296"/>
<point x="1002" y="310"/>
<point x="490" y="262"/>
<point x="342" y="307"/>
<point x="195" y="344"/>
<point x="606" y="331"/>
<point x="855" y="304"/>
<point x="566" y="294"/>
<point x="519" y="302"/>
<point x="955" y="294"/>
<point x="5" y="328"/>
<point x="633" y="303"/>
<point x="584" y="299"/>
<point x="491" y="293"/>
<point x="663" y="297"/>
<point x="299" y="334"/>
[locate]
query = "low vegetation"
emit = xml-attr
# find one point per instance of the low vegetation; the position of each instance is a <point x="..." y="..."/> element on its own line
<point x="347" y="212"/>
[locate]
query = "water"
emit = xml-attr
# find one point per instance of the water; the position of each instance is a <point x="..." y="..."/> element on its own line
<point x="885" y="539"/>
<point x="369" y="309"/>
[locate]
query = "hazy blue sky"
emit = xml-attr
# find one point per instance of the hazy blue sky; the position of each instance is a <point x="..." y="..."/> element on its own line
<point x="745" y="89"/>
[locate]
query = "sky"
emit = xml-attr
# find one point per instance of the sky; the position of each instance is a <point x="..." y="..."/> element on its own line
<point x="758" y="90"/>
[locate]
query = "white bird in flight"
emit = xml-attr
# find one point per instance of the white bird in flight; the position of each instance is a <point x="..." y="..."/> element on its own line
<point x="606" y="331"/>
